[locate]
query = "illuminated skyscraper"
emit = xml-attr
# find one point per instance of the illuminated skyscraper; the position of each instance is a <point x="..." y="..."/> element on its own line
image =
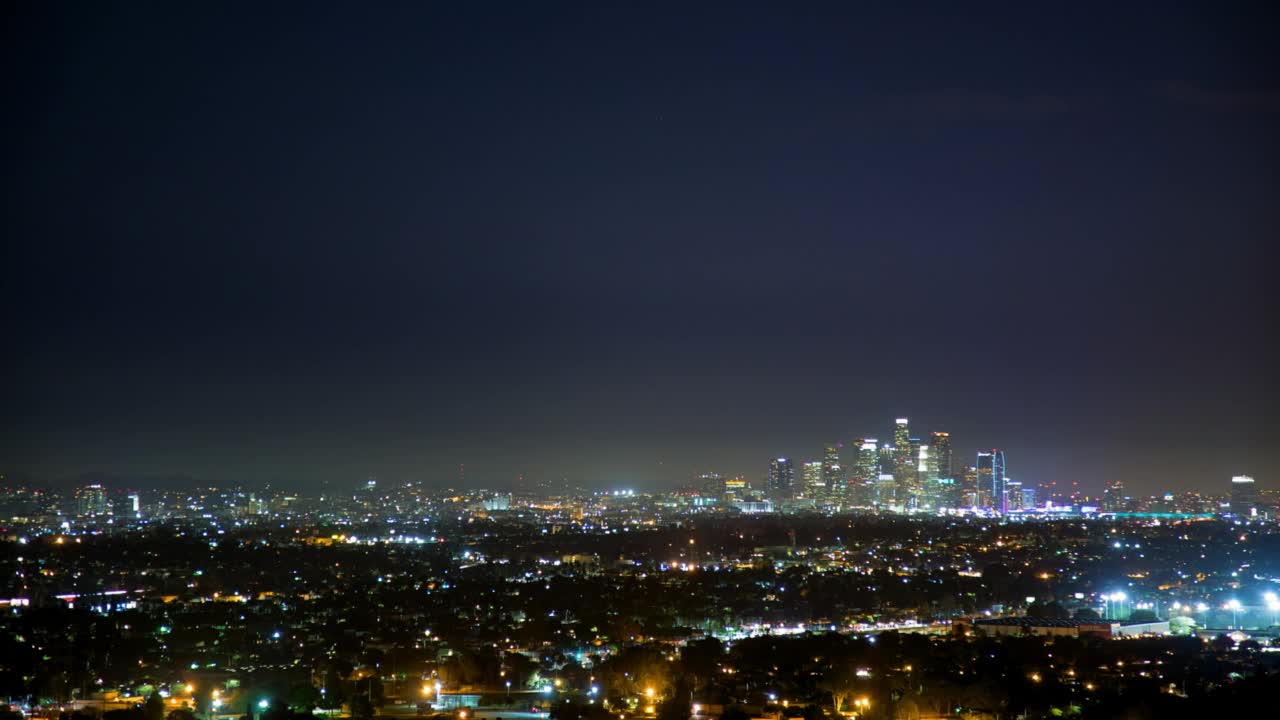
<point x="735" y="488"/>
<point x="1012" y="494"/>
<point x="782" y="478"/>
<point x="866" y="469"/>
<point x="886" y="489"/>
<point x="940" y="455"/>
<point x="91" y="500"/>
<point x="970" y="496"/>
<point x="1244" y="497"/>
<point x="1113" y="497"/>
<point x="991" y="479"/>
<point x="832" y="473"/>
<point x="904" y="461"/>
<point x="711" y="484"/>
<point x="814" y="485"/>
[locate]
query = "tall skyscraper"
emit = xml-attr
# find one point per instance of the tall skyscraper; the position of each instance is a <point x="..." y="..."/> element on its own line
<point x="782" y="478"/>
<point x="905" y="462"/>
<point x="1012" y="494"/>
<point x="91" y="500"/>
<point x="991" y="479"/>
<point x="832" y="473"/>
<point x="711" y="484"/>
<point x="866" y="469"/>
<point x="970" y="496"/>
<point x="735" y="488"/>
<point x="940" y="455"/>
<point x="886" y="490"/>
<point x="1244" y="497"/>
<point x="812" y="479"/>
<point x="1113" y="497"/>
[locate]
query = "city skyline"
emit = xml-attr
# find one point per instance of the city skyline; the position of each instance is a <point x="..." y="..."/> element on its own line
<point x="630" y="243"/>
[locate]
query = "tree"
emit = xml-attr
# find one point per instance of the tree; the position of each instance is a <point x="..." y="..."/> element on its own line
<point x="1142" y="616"/>
<point x="700" y="658"/>
<point x="181" y="714"/>
<point x="840" y="681"/>
<point x="1087" y="614"/>
<point x="361" y="708"/>
<point x="1047" y="610"/>
<point x="906" y="709"/>
<point x="303" y="698"/>
<point x="1182" y="625"/>
<point x="153" y="708"/>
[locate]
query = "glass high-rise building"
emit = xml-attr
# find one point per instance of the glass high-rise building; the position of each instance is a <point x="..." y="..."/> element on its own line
<point x="782" y="478"/>
<point x="1244" y="497"/>
<point x="1113" y="497"/>
<point x="940" y="455"/>
<point x="832" y="473"/>
<point x="970" y="496"/>
<point x="904" y="459"/>
<point x="990" y="470"/>
<point x="711" y="484"/>
<point x="866" y="468"/>
<point x="812" y="479"/>
<point x="91" y="500"/>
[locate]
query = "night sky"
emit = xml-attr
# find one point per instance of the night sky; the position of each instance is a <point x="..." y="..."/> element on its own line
<point x="624" y="244"/>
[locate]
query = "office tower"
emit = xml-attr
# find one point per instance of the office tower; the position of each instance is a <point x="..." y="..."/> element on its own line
<point x="886" y="490"/>
<point x="91" y="500"/>
<point x="832" y="473"/>
<point x="884" y="459"/>
<point x="940" y="455"/>
<point x="735" y="488"/>
<point x="782" y="478"/>
<point x="711" y="484"/>
<point x="1028" y="498"/>
<point x="812" y="478"/>
<point x="970" y="496"/>
<point x="1243" y="495"/>
<point x="866" y="469"/>
<point x="1113" y="497"/>
<point x="991" y="479"/>
<point x="918" y="495"/>
<point x="1012" y="494"/>
<point x="904" y="461"/>
<point x="941" y="493"/>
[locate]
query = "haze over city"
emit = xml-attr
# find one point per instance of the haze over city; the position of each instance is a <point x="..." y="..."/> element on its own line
<point x="626" y="244"/>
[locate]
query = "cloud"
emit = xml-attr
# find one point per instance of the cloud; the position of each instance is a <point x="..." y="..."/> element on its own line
<point x="1224" y="101"/>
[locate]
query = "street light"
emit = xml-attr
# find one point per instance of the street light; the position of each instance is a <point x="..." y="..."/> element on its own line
<point x="1234" y="606"/>
<point x="508" y="691"/>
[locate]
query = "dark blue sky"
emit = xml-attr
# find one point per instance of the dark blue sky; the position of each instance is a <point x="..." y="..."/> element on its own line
<point x="624" y="243"/>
